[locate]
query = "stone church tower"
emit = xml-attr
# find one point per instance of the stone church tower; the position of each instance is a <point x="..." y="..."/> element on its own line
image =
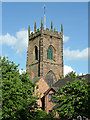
<point x="45" y="53"/>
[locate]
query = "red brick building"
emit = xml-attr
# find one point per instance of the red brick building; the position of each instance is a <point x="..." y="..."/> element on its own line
<point x="46" y="99"/>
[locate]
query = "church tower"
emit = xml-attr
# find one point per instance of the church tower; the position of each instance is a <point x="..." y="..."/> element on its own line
<point x="45" y="53"/>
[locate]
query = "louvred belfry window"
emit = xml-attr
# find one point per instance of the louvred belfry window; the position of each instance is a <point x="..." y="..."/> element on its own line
<point x="50" y="53"/>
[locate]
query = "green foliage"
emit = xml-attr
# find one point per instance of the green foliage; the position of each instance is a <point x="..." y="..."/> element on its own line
<point x="18" y="101"/>
<point x="39" y="115"/>
<point x="42" y="115"/>
<point x="72" y="99"/>
<point x="51" y="116"/>
<point x="70" y="74"/>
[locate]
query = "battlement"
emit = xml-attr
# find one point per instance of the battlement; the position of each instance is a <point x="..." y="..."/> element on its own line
<point x="47" y="31"/>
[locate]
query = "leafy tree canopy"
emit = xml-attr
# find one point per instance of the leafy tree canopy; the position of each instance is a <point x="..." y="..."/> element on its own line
<point x="70" y="74"/>
<point x="18" y="101"/>
<point x="72" y="99"/>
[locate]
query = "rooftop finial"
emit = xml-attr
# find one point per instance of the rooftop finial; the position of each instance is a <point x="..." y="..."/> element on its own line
<point x="51" y="25"/>
<point x="41" y="23"/>
<point x="61" y="28"/>
<point x="35" y="27"/>
<point x="54" y="30"/>
<point x="29" y="30"/>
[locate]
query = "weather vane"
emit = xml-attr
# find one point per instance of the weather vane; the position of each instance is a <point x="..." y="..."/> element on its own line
<point x="44" y="6"/>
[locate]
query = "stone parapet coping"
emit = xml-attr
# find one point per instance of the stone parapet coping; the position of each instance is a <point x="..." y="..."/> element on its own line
<point x="46" y="32"/>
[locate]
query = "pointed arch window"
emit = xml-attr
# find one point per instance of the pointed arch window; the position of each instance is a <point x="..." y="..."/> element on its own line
<point x="49" y="79"/>
<point x="50" y="53"/>
<point x="36" y="53"/>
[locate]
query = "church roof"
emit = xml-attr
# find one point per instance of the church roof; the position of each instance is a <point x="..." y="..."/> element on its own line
<point x="36" y="79"/>
<point x="62" y="82"/>
<point x="52" y="88"/>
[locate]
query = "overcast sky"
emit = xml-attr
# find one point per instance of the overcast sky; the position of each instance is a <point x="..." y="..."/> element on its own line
<point x="74" y="16"/>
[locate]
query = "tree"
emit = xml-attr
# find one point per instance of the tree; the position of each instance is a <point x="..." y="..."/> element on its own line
<point x="72" y="99"/>
<point x="70" y="74"/>
<point x="18" y="101"/>
<point x="42" y="115"/>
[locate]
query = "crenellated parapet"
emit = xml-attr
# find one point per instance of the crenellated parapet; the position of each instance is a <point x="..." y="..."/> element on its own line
<point x="47" y="31"/>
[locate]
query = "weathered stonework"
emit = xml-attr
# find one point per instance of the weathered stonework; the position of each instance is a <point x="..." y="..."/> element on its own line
<point x="49" y="104"/>
<point x="43" y="39"/>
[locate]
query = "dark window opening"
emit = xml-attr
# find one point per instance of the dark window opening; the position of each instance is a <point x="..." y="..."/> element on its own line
<point x="50" y="111"/>
<point x="43" y="103"/>
<point x="36" y="53"/>
<point x="51" y="98"/>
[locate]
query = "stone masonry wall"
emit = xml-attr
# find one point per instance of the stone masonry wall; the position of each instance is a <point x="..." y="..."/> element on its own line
<point x="56" y="64"/>
<point x="32" y="64"/>
<point x="49" y="104"/>
<point x="43" y="86"/>
<point x="44" y="65"/>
